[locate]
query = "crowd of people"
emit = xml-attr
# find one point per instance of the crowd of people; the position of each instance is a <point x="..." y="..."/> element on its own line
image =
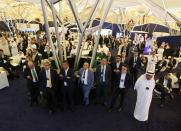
<point x="120" y="65"/>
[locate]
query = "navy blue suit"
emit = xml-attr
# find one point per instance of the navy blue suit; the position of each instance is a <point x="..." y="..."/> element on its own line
<point x="67" y="89"/>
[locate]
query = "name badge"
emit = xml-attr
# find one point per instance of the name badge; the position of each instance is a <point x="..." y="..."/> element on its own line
<point x="65" y="83"/>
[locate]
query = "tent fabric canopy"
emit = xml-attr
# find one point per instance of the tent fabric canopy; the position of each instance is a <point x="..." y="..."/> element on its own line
<point x="112" y="26"/>
<point x="121" y="11"/>
<point x="151" y="27"/>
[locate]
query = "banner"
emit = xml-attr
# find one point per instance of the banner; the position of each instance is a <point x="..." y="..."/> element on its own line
<point x="25" y="26"/>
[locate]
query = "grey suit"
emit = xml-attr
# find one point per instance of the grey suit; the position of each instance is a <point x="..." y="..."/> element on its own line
<point x="90" y="77"/>
<point x="86" y="87"/>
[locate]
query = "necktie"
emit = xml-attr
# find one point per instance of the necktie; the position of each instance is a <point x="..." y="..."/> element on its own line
<point x="34" y="75"/>
<point x="65" y="72"/>
<point x="83" y="77"/>
<point x="102" y="70"/>
<point x="135" y="59"/>
<point x="49" y="78"/>
<point x="102" y="73"/>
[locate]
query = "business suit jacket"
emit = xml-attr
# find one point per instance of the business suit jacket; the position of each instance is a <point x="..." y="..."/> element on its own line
<point x="37" y="60"/>
<point x="125" y="60"/>
<point x="70" y="73"/>
<point x="127" y="50"/>
<point x="138" y="63"/>
<point x="127" y="82"/>
<point x="169" y="84"/>
<point x="171" y="65"/>
<point x="90" y="77"/>
<point x="113" y="67"/>
<point x="107" y="74"/>
<point x="110" y="59"/>
<point x="68" y="50"/>
<point x="163" y="64"/>
<point x="27" y="72"/>
<point x="43" y="79"/>
<point x="46" y="55"/>
<point x="2" y="60"/>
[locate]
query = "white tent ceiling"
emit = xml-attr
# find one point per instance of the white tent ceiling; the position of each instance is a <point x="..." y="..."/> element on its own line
<point x="133" y="9"/>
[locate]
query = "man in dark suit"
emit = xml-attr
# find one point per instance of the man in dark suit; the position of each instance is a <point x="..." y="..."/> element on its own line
<point x="47" y="54"/>
<point x="141" y="47"/>
<point x="48" y="84"/>
<point x="110" y="58"/>
<point x="67" y="84"/>
<point x="125" y="48"/>
<point x="86" y="81"/>
<point x="122" y="82"/>
<point x="32" y="75"/>
<point x="36" y="57"/>
<point x="68" y="49"/>
<point x="103" y="77"/>
<point x="162" y="63"/>
<point x="171" y="63"/>
<point x="5" y="62"/>
<point x="164" y="86"/>
<point x="106" y="40"/>
<point x="144" y="61"/>
<point x="134" y="66"/>
<point x="115" y="67"/>
<point x="124" y="59"/>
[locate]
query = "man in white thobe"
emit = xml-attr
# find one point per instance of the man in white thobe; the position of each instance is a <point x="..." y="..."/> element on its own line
<point x="152" y="61"/>
<point x="144" y="87"/>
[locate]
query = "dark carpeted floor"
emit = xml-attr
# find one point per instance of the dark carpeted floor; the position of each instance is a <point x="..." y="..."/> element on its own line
<point x="17" y="115"/>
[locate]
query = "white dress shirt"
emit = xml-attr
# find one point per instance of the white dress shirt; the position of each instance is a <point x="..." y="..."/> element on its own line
<point x="117" y="64"/>
<point x="165" y="82"/>
<point x="48" y="72"/>
<point x="122" y="79"/>
<point x="84" y="79"/>
<point x="65" y="83"/>
<point x="104" y="72"/>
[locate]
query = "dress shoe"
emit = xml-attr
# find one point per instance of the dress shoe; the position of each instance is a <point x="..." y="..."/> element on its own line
<point x="105" y="104"/>
<point x="51" y="112"/>
<point x="146" y="122"/>
<point x="161" y="105"/>
<point x="73" y="109"/>
<point x="110" y="110"/>
<point x="119" y="109"/>
<point x="171" y="96"/>
<point x="180" y="93"/>
<point x="86" y="105"/>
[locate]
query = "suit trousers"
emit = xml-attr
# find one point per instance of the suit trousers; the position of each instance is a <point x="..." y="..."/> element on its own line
<point x="86" y="91"/>
<point x="163" y="92"/>
<point x="118" y="91"/>
<point x="34" y="92"/>
<point x="67" y="96"/>
<point x="50" y="96"/>
<point x="101" y="88"/>
<point x="134" y="73"/>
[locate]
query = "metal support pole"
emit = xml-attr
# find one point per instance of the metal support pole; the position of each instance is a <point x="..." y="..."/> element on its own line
<point x="55" y="12"/>
<point x="63" y="30"/>
<point x="99" y="32"/>
<point x="80" y="26"/>
<point x="57" y="33"/>
<point x="48" y="33"/>
<point x="82" y="35"/>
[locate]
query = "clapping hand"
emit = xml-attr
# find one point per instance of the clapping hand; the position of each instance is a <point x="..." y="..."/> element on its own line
<point x="61" y="75"/>
<point x="68" y="77"/>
